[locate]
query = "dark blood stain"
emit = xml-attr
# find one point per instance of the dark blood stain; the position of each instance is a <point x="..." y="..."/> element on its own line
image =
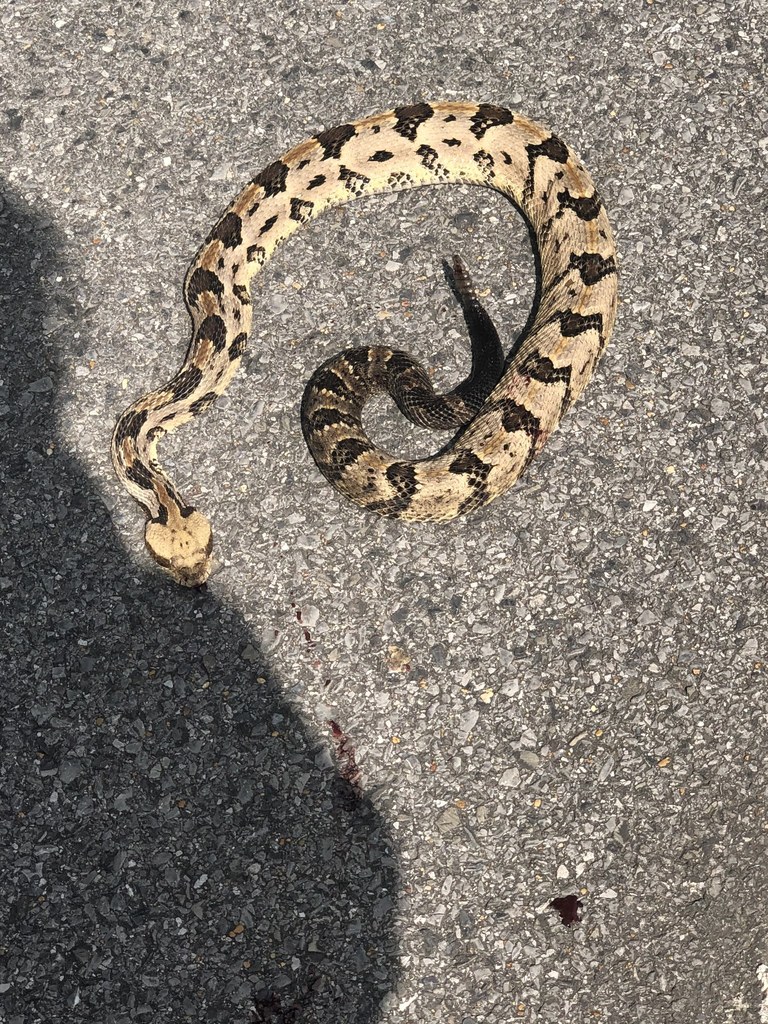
<point x="345" y="754"/>
<point x="307" y="634"/>
<point x="269" y="1009"/>
<point x="568" y="908"/>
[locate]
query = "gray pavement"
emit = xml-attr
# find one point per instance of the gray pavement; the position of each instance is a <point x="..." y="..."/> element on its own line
<point x="564" y="694"/>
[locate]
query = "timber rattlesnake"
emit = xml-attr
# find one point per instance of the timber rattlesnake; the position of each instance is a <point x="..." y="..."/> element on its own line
<point x="505" y="410"/>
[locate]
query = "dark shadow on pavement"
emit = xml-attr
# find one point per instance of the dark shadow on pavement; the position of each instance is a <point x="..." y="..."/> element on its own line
<point x="174" y="843"/>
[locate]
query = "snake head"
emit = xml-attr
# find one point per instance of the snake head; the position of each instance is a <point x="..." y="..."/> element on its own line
<point x="182" y="546"/>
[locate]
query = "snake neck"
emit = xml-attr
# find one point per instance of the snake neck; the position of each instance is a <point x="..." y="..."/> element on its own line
<point x="133" y="456"/>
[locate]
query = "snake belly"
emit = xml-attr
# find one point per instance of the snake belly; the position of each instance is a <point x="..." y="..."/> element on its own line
<point x="420" y="144"/>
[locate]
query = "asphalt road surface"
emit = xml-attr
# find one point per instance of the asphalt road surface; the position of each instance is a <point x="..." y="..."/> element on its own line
<point x="564" y="695"/>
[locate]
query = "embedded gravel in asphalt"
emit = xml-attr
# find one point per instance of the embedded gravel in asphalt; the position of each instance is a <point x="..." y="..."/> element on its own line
<point x="563" y="695"/>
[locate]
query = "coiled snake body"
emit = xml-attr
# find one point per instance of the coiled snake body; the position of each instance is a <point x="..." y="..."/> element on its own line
<point x="504" y="411"/>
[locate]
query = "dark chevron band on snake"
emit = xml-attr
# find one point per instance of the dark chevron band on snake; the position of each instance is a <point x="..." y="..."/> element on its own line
<point x="506" y="408"/>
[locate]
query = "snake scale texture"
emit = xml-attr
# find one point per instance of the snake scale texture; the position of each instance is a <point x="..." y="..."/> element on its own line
<point x="505" y="410"/>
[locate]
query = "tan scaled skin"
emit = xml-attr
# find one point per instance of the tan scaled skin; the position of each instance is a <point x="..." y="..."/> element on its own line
<point x="182" y="546"/>
<point x="544" y="373"/>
